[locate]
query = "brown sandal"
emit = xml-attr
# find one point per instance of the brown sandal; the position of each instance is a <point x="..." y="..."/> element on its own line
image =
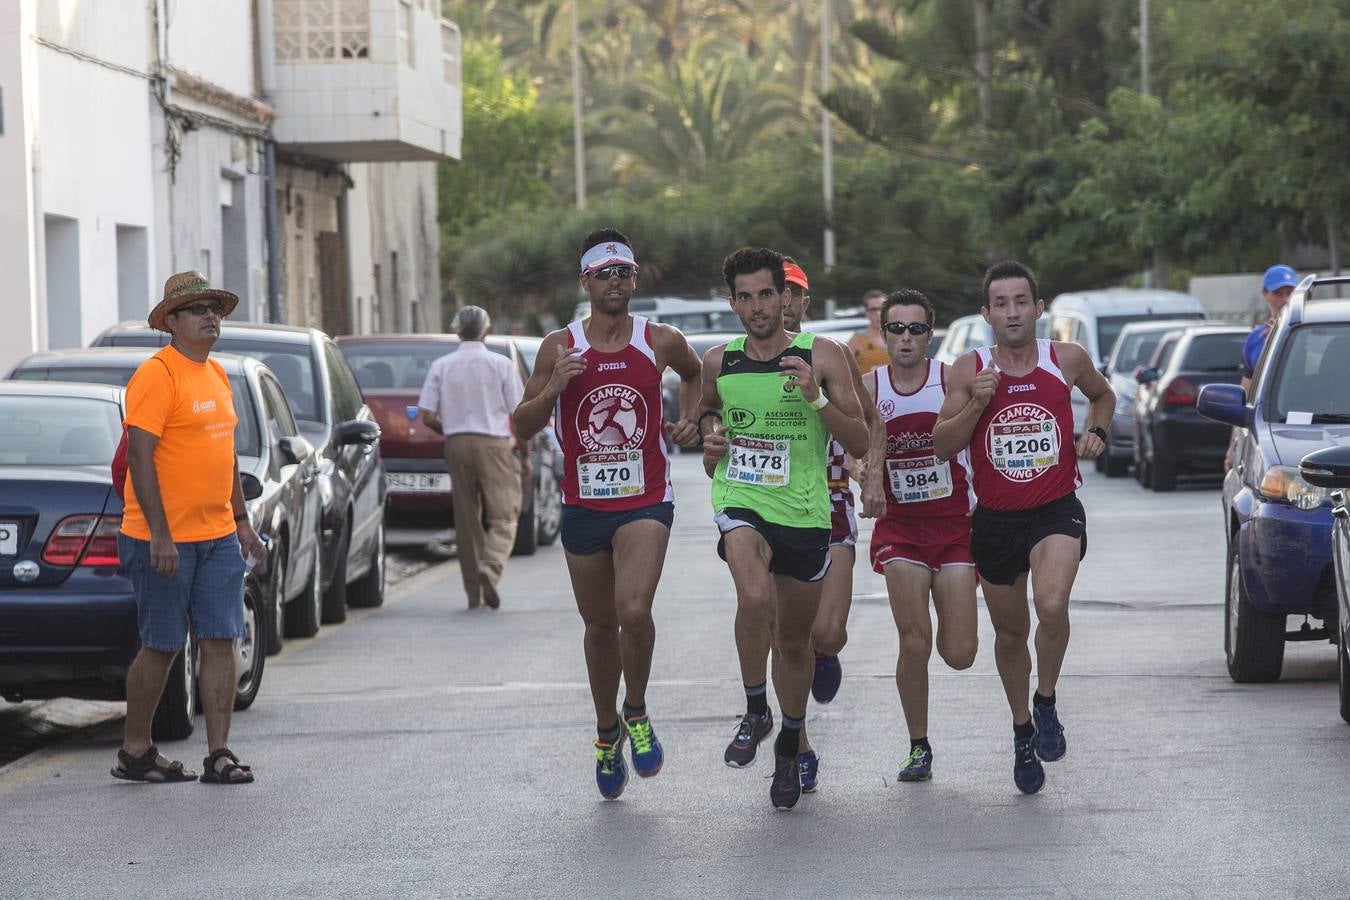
<point x="147" y="767"/>
<point x="226" y="773"/>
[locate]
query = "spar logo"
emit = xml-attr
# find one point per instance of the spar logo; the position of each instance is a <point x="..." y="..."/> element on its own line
<point x="1023" y="442"/>
<point x="613" y="417"/>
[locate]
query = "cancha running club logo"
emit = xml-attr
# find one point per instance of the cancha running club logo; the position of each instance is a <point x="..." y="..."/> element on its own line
<point x="612" y="417"/>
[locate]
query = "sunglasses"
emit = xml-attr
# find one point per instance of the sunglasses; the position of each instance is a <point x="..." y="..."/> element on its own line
<point x="609" y="272"/>
<point x="202" y="307"/>
<point x="915" y="328"/>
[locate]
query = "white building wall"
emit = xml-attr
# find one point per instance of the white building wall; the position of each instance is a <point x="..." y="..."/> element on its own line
<point x="20" y="258"/>
<point x="213" y="39"/>
<point x="92" y="162"/>
<point x="396" y="249"/>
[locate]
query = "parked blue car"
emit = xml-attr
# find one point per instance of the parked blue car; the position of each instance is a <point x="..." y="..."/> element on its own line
<point x="1330" y="468"/>
<point x="1278" y="524"/>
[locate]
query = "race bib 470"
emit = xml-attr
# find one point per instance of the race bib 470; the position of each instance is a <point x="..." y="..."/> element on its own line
<point x="607" y="476"/>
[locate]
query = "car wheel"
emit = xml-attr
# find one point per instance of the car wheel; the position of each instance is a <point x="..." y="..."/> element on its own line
<point x="1253" y="640"/>
<point x="1114" y="466"/>
<point x="249" y="655"/>
<point x="335" y="598"/>
<point x="368" y="590"/>
<point x="275" y="624"/>
<point x="176" y="715"/>
<point x="306" y="610"/>
<point x="548" y="507"/>
<point x="1344" y="666"/>
<point x="527" y="530"/>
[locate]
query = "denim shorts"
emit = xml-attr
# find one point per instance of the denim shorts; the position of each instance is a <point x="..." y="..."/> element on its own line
<point x="207" y="592"/>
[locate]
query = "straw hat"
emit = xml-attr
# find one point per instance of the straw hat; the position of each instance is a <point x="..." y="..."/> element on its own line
<point x="185" y="288"/>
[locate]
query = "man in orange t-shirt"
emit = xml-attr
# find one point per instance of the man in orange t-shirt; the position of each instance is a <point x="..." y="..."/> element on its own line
<point x="185" y="531"/>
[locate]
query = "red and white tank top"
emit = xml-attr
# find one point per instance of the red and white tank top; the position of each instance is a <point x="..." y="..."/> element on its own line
<point x="837" y="473"/>
<point x="608" y="423"/>
<point x="1022" y="450"/>
<point x="916" y="483"/>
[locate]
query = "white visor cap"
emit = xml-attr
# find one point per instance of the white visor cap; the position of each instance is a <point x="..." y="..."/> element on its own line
<point x="610" y="253"/>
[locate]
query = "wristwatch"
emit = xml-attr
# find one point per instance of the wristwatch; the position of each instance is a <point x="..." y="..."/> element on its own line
<point x="1099" y="431"/>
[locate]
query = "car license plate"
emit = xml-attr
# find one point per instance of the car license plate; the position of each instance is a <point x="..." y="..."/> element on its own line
<point x="417" y="482"/>
<point x="9" y="538"/>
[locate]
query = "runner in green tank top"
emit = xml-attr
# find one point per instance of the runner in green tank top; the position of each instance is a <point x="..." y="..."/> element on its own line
<point x="776" y="463"/>
<point x="764" y="446"/>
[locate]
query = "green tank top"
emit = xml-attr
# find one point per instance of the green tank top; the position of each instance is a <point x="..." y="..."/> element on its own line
<point x="775" y="465"/>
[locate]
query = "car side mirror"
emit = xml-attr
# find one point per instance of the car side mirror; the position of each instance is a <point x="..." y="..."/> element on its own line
<point x="1327" y="468"/>
<point x="251" y="485"/>
<point x="1226" y="403"/>
<point x="1144" y="375"/>
<point x="295" y="450"/>
<point x="358" y="431"/>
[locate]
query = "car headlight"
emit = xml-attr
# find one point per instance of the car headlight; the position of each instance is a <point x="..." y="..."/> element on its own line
<point x="1285" y="483"/>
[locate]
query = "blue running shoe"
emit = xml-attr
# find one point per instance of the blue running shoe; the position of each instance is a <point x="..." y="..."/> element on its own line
<point x="825" y="683"/>
<point x="611" y="774"/>
<point x="808" y="765"/>
<point x="1028" y="773"/>
<point x="918" y="765"/>
<point x="646" y="749"/>
<point x="1050" y="743"/>
<point x="751" y="730"/>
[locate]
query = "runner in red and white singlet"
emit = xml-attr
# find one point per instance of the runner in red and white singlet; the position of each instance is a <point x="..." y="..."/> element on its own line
<point x="600" y="379"/>
<point x="921" y="542"/>
<point x="608" y="423"/>
<point x="1010" y="404"/>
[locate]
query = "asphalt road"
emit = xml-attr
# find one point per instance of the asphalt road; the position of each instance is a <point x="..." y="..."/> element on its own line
<point x="425" y="750"/>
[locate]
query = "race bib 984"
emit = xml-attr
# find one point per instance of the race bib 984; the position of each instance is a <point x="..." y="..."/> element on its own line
<point x="916" y="480"/>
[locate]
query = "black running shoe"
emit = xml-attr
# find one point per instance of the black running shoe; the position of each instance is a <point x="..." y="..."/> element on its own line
<point x="786" y="788"/>
<point x="753" y="729"/>
<point x="1028" y="773"/>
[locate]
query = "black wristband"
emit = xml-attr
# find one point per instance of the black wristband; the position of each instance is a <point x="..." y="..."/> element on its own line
<point x="1099" y="431"/>
<point x="710" y="412"/>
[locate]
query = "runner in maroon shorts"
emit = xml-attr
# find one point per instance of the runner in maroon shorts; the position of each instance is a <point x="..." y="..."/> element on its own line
<point x="921" y="542"/>
<point x="1009" y="404"/>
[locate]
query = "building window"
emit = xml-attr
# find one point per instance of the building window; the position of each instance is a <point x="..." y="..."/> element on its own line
<point x="406" y="34"/>
<point x="450" y="54"/>
<point x="321" y="30"/>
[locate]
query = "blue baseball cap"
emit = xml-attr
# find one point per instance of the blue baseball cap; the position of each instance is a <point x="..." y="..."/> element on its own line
<point x="1277" y="277"/>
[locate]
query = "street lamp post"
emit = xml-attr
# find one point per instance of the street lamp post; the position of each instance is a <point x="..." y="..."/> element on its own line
<point x="578" y="137"/>
<point x="826" y="134"/>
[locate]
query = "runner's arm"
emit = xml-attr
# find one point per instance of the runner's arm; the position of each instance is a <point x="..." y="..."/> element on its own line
<point x="673" y="350"/>
<point x="1101" y="399"/>
<point x="710" y="416"/>
<point x="873" y="492"/>
<point x="870" y="415"/>
<point x="960" y="410"/>
<point x="553" y="368"/>
<point x="843" y="415"/>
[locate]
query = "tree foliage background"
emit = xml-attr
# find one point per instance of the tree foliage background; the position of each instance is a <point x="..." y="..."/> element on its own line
<point x="966" y="131"/>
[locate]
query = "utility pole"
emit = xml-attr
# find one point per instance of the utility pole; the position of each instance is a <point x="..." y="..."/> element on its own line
<point x="578" y="138"/>
<point x="826" y="132"/>
<point x="1157" y="270"/>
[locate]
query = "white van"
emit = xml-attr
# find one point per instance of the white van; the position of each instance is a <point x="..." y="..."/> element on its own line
<point x="1094" y="319"/>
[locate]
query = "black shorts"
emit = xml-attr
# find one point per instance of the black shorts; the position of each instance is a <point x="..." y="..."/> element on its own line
<point x="1001" y="542"/>
<point x="800" y="553"/>
<point x="586" y="531"/>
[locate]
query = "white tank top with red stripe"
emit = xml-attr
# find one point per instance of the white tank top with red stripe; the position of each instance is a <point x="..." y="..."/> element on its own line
<point x="608" y="423"/>
<point x="1022" y="450"/>
<point x="916" y="484"/>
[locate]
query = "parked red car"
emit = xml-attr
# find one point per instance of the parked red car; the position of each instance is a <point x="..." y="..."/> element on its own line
<point x="391" y="369"/>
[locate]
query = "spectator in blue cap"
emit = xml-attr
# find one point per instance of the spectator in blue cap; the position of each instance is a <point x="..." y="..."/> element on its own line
<point x="1276" y="286"/>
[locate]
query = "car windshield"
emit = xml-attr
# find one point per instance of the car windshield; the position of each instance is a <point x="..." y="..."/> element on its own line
<point x="1215" y="353"/>
<point x="58" y="431"/>
<point x="1313" y="378"/>
<point x="1135" y="350"/>
<point x="400" y="364"/>
<point x="1109" y="327"/>
<point x="292" y="365"/>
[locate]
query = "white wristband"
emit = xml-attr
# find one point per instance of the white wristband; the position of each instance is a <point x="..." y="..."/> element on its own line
<point x="820" y="401"/>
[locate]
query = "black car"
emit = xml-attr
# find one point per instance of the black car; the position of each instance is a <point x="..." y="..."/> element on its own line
<point x="67" y="613"/>
<point x="1170" y="435"/>
<point x="276" y="465"/>
<point x="339" y="426"/>
<point x="1330" y="468"/>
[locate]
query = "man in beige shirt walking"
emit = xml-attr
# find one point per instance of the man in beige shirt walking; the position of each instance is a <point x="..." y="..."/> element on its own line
<point x="468" y="397"/>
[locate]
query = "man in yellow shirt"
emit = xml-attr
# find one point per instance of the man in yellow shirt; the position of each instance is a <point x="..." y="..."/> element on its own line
<point x="185" y="531"/>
